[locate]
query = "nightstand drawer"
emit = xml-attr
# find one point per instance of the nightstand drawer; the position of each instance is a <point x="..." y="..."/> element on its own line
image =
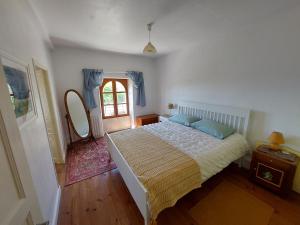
<point x="269" y="174"/>
<point x="271" y="162"/>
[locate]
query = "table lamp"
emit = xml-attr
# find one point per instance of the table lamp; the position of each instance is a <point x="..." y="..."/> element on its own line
<point x="276" y="139"/>
<point x="170" y="107"/>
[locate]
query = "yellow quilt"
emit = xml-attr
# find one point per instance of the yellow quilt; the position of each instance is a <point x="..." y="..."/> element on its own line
<point x="167" y="173"/>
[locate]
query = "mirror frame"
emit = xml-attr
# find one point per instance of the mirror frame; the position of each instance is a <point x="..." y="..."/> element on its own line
<point x="69" y="119"/>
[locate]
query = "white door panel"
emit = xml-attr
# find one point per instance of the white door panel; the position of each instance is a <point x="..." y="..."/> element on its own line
<point x="8" y="190"/>
<point x="14" y="206"/>
<point x="18" y="199"/>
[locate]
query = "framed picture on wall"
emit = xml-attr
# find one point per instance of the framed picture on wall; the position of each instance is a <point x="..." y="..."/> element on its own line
<point x="19" y="86"/>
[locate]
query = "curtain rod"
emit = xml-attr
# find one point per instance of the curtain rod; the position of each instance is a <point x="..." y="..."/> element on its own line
<point x="120" y="72"/>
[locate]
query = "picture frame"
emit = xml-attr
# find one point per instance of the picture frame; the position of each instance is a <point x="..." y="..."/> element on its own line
<point x="20" y="88"/>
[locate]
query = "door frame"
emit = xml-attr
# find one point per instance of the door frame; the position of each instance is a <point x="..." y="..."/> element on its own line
<point x="38" y="65"/>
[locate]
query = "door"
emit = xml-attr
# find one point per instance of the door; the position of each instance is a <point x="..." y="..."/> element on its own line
<point x="48" y="111"/>
<point x="18" y="200"/>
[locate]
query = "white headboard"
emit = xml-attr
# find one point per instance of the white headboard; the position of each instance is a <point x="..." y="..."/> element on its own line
<point x="237" y="118"/>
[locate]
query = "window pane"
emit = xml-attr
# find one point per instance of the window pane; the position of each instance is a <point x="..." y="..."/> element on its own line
<point x="120" y="87"/>
<point x="12" y="97"/>
<point x="107" y="87"/>
<point x="121" y="98"/>
<point x="108" y="98"/>
<point x="122" y="109"/>
<point x="109" y="110"/>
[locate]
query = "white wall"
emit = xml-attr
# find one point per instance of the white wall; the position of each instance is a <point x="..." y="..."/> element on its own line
<point x="68" y="63"/>
<point x="116" y="124"/>
<point x="21" y="37"/>
<point x="256" y="68"/>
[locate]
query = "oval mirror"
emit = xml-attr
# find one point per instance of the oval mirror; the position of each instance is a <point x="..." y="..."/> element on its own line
<point x="77" y="113"/>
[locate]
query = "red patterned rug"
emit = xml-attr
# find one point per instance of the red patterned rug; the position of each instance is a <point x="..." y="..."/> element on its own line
<point x="86" y="160"/>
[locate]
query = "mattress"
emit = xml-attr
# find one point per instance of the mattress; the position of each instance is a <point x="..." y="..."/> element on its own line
<point x="211" y="154"/>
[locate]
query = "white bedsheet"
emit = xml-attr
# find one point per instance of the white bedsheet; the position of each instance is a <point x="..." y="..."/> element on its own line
<point x="211" y="154"/>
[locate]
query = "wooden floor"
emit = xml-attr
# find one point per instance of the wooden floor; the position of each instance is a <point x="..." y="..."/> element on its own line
<point x="105" y="200"/>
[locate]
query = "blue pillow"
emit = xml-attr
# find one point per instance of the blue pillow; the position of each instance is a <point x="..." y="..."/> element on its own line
<point x="213" y="128"/>
<point x="183" y="119"/>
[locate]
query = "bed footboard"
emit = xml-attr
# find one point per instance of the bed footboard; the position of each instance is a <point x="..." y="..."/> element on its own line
<point x="135" y="187"/>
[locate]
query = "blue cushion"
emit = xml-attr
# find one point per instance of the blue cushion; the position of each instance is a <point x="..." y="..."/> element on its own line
<point x="184" y="119"/>
<point x="213" y="128"/>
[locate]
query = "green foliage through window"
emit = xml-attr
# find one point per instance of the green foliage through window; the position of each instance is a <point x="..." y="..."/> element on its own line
<point x="108" y="87"/>
<point x="121" y="98"/>
<point x="108" y="99"/>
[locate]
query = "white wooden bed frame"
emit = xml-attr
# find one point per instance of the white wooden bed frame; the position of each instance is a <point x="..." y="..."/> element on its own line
<point x="237" y="118"/>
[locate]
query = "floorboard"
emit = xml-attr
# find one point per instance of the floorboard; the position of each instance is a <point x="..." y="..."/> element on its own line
<point x="105" y="200"/>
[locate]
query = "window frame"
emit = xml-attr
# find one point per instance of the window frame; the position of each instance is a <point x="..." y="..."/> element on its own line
<point x="124" y="82"/>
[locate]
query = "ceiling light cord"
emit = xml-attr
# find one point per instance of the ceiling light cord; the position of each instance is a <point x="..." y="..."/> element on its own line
<point x="149" y="29"/>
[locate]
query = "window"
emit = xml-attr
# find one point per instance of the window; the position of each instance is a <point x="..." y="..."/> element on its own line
<point x="114" y="98"/>
<point x="12" y="96"/>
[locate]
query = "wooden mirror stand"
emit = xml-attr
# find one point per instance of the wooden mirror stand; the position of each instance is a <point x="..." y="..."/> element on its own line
<point x="78" y="117"/>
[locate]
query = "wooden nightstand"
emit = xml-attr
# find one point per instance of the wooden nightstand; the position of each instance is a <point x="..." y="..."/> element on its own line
<point x="146" y="119"/>
<point x="274" y="170"/>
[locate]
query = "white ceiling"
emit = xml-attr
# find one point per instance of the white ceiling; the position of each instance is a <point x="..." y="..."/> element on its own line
<point x="120" y="25"/>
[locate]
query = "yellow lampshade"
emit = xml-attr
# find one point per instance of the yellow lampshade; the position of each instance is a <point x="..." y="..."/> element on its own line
<point x="170" y="106"/>
<point x="149" y="49"/>
<point x="276" y="139"/>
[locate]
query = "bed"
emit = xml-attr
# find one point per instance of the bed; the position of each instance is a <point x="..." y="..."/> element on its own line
<point x="211" y="154"/>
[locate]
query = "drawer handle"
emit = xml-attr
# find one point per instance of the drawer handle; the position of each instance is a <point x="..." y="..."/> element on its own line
<point x="271" y="160"/>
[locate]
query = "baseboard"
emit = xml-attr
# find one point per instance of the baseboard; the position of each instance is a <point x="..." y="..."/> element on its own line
<point x="56" y="207"/>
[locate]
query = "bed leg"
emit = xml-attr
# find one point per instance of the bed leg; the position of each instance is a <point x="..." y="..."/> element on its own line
<point x="147" y="219"/>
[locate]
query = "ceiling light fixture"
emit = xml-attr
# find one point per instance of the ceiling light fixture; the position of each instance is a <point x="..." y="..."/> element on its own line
<point x="149" y="48"/>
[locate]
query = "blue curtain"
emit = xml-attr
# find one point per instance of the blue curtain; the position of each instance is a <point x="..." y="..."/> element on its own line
<point x="92" y="79"/>
<point x="138" y="80"/>
<point x="16" y="80"/>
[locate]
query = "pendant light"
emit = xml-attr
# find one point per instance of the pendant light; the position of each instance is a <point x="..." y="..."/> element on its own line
<point x="149" y="48"/>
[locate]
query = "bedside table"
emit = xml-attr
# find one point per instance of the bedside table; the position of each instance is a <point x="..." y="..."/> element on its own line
<point x="146" y="119"/>
<point x="273" y="169"/>
<point x="163" y="118"/>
